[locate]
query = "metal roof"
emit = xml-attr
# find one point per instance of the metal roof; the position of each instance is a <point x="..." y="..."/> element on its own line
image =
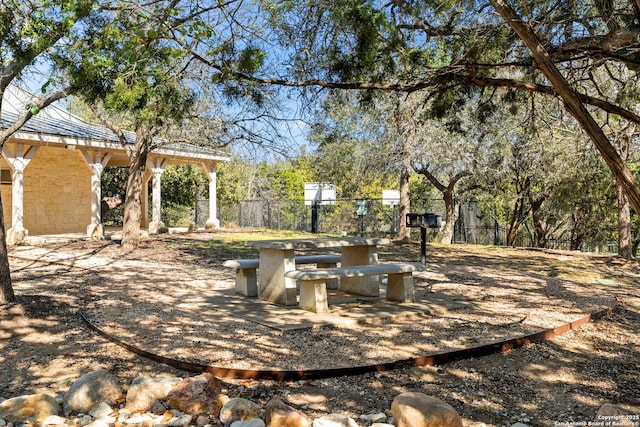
<point x="47" y="125"/>
<point x="56" y="121"/>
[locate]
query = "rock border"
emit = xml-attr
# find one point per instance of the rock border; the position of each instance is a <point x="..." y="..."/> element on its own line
<point x="97" y="400"/>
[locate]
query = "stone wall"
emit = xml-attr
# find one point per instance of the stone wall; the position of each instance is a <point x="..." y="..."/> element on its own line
<point x="57" y="193"/>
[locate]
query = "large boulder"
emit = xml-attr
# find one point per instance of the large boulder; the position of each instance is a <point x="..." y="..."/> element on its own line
<point x="31" y="409"/>
<point x="239" y="409"/>
<point x="92" y="389"/>
<point x="197" y="395"/>
<point x="413" y="409"/>
<point x="144" y="392"/>
<point x="279" y="414"/>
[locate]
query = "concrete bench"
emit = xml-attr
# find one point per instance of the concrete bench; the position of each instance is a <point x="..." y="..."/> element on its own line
<point x="313" y="283"/>
<point x="246" y="278"/>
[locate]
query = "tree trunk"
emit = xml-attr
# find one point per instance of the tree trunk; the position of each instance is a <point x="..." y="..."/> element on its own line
<point x="451" y="207"/>
<point x="131" y="233"/>
<point x="580" y="219"/>
<point x="624" y="224"/>
<point x="539" y="232"/>
<point x="625" y="248"/>
<point x="518" y="216"/>
<point x="572" y="102"/>
<point x="404" y="233"/>
<point x="512" y="234"/>
<point x="6" y="288"/>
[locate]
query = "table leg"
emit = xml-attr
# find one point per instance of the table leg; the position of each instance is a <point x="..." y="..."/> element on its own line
<point x="400" y="287"/>
<point x="313" y="296"/>
<point x="360" y="255"/>
<point x="272" y="285"/>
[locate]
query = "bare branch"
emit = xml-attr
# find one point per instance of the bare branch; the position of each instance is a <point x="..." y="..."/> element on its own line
<point x="424" y="170"/>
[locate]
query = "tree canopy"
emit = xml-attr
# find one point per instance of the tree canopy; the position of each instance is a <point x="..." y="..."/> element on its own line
<point x="448" y="48"/>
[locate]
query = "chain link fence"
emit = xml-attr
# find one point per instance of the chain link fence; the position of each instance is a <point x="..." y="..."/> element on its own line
<point x="364" y="217"/>
<point x="369" y="217"/>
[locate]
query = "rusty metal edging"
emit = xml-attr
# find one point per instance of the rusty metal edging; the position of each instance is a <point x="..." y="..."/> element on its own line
<point x="288" y="375"/>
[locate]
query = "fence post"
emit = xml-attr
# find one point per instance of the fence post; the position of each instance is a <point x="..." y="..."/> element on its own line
<point x="314" y="217"/>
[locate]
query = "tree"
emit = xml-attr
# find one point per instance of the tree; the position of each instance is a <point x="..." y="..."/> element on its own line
<point x="358" y="154"/>
<point x="132" y="72"/>
<point x="32" y="34"/>
<point x="352" y="140"/>
<point x="412" y="46"/>
<point x="441" y="161"/>
<point x="572" y="100"/>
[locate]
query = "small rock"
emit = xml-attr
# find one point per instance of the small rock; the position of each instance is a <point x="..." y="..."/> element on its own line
<point x="102" y="410"/>
<point x="181" y="421"/>
<point x="253" y="422"/>
<point x="334" y="420"/>
<point x="202" y="421"/>
<point x="2" y="422"/>
<point x="140" y="419"/>
<point x="85" y="420"/>
<point x="101" y="422"/>
<point x="482" y="394"/>
<point x="519" y="425"/>
<point x="54" y="420"/>
<point x="382" y="425"/>
<point x="158" y="408"/>
<point x="374" y="418"/>
<point x="238" y="409"/>
<point x="124" y="414"/>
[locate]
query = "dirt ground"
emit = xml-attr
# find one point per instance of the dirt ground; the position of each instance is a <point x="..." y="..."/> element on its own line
<point x="154" y="297"/>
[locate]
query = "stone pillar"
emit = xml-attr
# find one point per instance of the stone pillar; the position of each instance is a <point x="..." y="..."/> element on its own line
<point x="157" y="167"/>
<point x="18" y="158"/>
<point x="97" y="161"/>
<point x="210" y="170"/>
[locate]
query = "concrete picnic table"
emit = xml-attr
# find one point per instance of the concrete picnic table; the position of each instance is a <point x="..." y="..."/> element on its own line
<point x="278" y="256"/>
